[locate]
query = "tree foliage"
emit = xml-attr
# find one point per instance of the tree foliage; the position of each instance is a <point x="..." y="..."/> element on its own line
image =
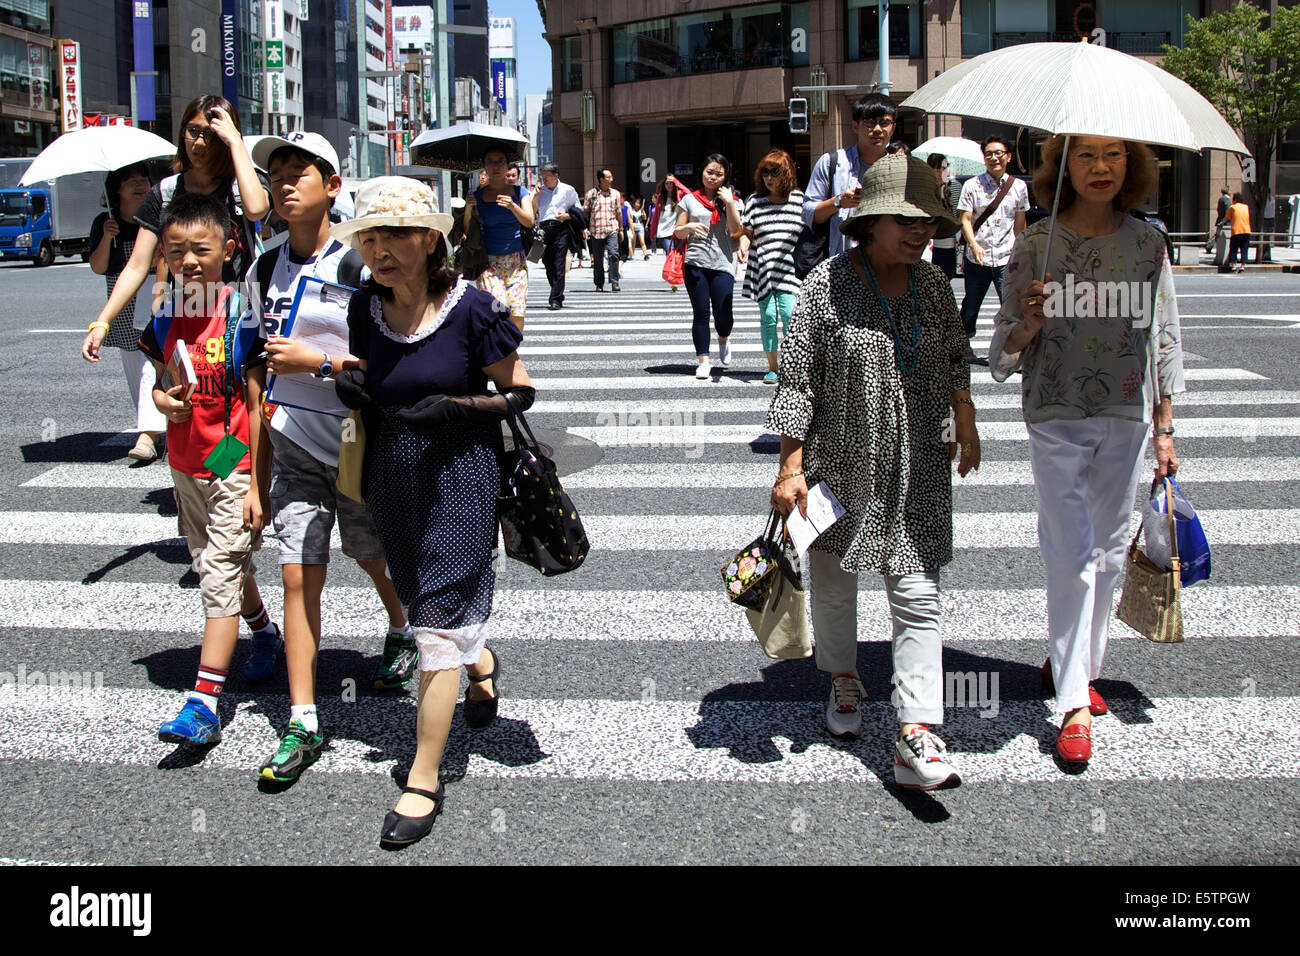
<point x="1250" y="72"/>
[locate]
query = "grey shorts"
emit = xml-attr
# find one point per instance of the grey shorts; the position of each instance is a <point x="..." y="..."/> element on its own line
<point x="305" y="502"/>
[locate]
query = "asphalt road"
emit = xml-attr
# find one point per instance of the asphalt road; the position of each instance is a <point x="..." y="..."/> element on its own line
<point x="640" y="722"/>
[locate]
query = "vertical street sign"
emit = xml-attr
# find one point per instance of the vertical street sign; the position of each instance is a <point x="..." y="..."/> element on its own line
<point x="230" y="51"/>
<point x="142" y="51"/>
<point x="70" y="53"/>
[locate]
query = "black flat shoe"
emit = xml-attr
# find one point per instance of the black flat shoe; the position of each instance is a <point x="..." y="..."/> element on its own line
<point x="480" y="713"/>
<point x="401" y="830"/>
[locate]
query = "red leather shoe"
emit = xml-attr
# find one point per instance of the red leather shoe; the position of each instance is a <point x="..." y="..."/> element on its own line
<point x="1096" y="703"/>
<point x="1075" y="743"/>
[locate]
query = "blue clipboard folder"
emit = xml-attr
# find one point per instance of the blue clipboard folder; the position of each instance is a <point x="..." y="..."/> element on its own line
<point x="319" y="318"/>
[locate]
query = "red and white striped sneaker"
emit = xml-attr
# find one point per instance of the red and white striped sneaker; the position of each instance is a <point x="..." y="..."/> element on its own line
<point x="919" y="762"/>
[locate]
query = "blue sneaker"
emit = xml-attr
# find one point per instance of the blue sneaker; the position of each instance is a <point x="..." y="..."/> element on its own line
<point x="261" y="662"/>
<point x="195" y="724"/>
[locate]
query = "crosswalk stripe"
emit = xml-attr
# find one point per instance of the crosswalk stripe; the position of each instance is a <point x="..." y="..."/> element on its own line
<point x="714" y="741"/>
<point x="698" y="475"/>
<point x="624" y="616"/>
<point x="662" y="532"/>
<point x="690" y="436"/>
<point x="760" y="403"/>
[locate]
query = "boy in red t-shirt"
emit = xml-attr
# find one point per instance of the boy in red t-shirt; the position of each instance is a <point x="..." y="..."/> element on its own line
<point x="207" y="444"/>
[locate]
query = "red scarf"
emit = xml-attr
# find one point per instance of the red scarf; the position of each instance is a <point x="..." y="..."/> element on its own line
<point x="716" y="217"/>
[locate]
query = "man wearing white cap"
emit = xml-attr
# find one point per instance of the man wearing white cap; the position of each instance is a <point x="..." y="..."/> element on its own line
<point x="295" y="460"/>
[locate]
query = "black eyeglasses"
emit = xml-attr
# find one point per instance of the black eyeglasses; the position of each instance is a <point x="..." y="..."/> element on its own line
<point x="906" y="221"/>
<point x="772" y="171"/>
<point x="196" y="133"/>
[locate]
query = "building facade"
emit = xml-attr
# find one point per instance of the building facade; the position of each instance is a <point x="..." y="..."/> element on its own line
<point x="330" y="79"/>
<point x="29" y="96"/>
<point x="652" y="86"/>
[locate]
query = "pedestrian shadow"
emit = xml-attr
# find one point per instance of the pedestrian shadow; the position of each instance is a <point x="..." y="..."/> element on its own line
<point x="82" y="447"/>
<point x="168" y="553"/>
<point x="382" y="721"/>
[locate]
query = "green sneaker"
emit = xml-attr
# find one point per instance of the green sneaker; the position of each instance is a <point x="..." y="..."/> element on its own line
<point x="298" y="750"/>
<point x="397" y="666"/>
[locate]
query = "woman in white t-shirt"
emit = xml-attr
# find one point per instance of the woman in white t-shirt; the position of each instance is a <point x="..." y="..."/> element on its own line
<point x="707" y="219"/>
<point x="636" y="229"/>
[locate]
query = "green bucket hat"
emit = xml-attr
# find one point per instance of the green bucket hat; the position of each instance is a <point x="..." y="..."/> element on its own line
<point x="903" y="186"/>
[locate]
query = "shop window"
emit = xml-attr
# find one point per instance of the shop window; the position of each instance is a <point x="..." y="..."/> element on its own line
<point x="571" y="63"/>
<point x="862" y="31"/>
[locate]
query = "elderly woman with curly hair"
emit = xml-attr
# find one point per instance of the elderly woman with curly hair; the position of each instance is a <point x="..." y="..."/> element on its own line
<point x="874" y="400"/>
<point x="1100" y="350"/>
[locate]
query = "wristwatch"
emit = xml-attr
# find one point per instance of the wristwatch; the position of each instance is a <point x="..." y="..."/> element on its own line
<point x="1164" y="431"/>
<point x="326" y="368"/>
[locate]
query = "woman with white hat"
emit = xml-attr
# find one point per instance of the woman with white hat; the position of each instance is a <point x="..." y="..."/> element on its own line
<point x="874" y="400"/>
<point x="426" y="344"/>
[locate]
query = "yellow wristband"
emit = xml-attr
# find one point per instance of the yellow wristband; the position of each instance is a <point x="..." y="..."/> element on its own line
<point x="98" y="325"/>
<point x="781" y="478"/>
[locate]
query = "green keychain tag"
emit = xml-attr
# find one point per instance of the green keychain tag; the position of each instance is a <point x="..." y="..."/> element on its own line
<point x="221" y="461"/>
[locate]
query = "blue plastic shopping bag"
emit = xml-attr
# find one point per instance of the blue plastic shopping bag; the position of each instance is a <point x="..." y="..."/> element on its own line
<point x="1193" y="548"/>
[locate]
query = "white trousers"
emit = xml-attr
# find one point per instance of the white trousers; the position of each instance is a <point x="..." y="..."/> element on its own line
<point x="1086" y="475"/>
<point x="140" y="379"/>
<point x="918" y="650"/>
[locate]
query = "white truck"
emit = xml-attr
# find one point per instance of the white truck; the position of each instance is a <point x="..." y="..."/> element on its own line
<point x="40" y="221"/>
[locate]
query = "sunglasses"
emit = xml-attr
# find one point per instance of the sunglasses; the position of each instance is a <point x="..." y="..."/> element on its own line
<point x="772" y="171"/>
<point x="906" y="221"/>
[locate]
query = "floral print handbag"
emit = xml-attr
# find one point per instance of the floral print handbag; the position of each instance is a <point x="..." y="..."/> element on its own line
<point x="750" y="575"/>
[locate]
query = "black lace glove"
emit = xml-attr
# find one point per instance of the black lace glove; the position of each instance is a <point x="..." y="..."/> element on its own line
<point x="429" y="413"/>
<point x="350" y="386"/>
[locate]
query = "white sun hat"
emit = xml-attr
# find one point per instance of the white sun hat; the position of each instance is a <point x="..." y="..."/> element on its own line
<point x="392" y="201"/>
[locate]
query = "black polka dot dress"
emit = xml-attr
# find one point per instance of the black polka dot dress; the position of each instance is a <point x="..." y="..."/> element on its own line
<point x="433" y="495"/>
<point x="876" y="434"/>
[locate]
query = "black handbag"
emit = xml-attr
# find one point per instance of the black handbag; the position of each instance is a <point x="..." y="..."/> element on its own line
<point x="539" y="523"/>
<point x="814" y="242"/>
<point x="748" y="577"/>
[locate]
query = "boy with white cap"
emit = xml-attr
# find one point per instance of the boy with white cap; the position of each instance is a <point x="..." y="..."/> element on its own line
<point x="295" y="460"/>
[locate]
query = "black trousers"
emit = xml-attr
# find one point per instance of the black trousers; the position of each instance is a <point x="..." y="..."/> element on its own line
<point x="553" y="257"/>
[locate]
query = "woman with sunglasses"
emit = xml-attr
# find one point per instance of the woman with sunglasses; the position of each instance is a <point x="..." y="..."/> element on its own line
<point x="211" y="159"/>
<point x="501" y="211"/>
<point x="874" y="400"/>
<point x="771" y="224"/>
<point x="1098" y="371"/>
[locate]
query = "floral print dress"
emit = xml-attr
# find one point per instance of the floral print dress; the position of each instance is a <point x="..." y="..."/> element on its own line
<point x="1111" y="337"/>
<point x="878" y="436"/>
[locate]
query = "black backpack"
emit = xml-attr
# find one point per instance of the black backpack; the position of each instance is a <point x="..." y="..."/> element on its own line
<point x="814" y="242"/>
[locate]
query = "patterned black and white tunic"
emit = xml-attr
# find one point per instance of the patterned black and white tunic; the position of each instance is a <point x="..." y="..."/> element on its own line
<point x="771" y="253"/>
<point x="876" y="435"/>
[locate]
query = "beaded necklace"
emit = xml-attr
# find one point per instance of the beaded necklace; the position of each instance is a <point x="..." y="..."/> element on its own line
<point x="905" y="353"/>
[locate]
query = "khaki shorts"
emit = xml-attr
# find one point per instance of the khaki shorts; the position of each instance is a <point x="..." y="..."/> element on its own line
<point x="212" y="523"/>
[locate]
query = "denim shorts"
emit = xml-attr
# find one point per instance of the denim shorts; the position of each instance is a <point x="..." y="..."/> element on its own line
<point x="305" y="502"/>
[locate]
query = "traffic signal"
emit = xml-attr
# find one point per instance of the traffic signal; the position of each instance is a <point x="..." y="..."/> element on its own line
<point x="798" y="114"/>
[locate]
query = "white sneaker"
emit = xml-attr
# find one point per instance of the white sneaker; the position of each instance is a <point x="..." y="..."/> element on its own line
<point x="724" y="355"/>
<point x="919" y="762"/>
<point x="844" y="711"/>
<point x="704" y="371"/>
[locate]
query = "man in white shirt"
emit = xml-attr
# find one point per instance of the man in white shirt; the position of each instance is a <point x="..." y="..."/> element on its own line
<point x="988" y="247"/>
<point x="551" y="206"/>
<point x="874" y="120"/>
